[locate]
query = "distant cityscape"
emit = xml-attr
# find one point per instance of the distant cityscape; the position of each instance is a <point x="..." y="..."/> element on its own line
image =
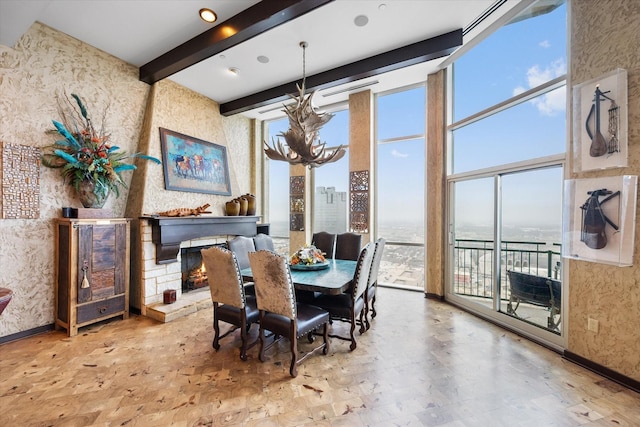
<point x="403" y="262"/>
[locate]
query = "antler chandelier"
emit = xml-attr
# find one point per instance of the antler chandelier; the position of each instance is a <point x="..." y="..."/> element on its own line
<point x="302" y="141"/>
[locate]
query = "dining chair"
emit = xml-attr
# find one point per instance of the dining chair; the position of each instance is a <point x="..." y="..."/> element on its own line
<point x="263" y="241"/>
<point x="372" y="283"/>
<point x="241" y="246"/>
<point x="230" y="304"/>
<point x="279" y="311"/>
<point x="348" y="246"/>
<point x="324" y="241"/>
<point x="349" y="307"/>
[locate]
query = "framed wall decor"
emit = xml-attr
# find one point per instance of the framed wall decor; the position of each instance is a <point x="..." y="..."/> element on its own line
<point x="191" y="164"/>
<point x="600" y="122"/>
<point x="599" y="219"/>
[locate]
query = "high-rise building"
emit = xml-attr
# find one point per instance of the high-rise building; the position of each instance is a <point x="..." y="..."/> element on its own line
<point x="330" y="210"/>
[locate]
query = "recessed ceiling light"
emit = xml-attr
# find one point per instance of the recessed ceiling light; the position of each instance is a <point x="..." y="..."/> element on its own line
<point x="361" y="20"/>
<point x="382" y="6"/>
<point x="233" y="71"/>
<point x="207" y="15"/>
<point x="263" y="59"/>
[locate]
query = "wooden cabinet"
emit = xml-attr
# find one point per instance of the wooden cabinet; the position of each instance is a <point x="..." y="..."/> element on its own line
<point x="92" y="271"/>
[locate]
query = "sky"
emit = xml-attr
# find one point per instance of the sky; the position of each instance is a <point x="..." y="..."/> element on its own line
<point x="516" y="58"/>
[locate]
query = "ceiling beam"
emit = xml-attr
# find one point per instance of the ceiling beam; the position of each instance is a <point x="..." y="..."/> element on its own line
<point x="261" y="17"/>
<point x="416" y="53"/>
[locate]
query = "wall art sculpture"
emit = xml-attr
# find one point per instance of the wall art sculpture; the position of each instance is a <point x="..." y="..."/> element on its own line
<point x="599" y="219"/>
<point x="600" y="122"/>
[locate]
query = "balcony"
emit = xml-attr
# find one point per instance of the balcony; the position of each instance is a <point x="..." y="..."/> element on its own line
<point x="473" y="275"/>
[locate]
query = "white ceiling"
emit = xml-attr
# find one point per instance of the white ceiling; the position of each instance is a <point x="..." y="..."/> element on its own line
<point x="138" y="31"/>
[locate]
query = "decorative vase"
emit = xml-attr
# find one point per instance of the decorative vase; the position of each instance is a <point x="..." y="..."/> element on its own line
<point x="243" y="205"/>
<point x="232" y="208"/>
<point x="88" y="197"/>
<point x="251" y="204"/>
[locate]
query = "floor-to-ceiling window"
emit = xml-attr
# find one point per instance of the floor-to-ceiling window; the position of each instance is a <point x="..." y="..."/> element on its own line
<point x="331" y="180"/>
<point x="277" y="200"/>
<point x="506" y="167"/>
<point x="399" y="183"/>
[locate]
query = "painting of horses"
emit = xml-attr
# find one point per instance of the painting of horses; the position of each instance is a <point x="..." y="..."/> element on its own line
<point x="191" y="164"/>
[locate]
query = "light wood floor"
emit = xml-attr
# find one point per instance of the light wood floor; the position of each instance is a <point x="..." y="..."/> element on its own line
<point x="422" y="363"/>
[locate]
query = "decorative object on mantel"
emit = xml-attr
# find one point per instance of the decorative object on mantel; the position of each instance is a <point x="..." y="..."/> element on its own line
<point x="244" y="203"/>
<point x="186" y="211"/>
<point x="232" y="207"/>
<point x="241" y="206"/>
<point x="88" y="162"/>
<point x="302" y="141"/>
<point x="20" y="181"/>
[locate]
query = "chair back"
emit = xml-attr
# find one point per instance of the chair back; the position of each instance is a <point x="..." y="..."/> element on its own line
<point x="324" y="241"/>
<point x="375" y="264"/>
<point x="361" y="275"/>
<point x="274" y="288"/>
<point x="348" y="246"/>
<point x="263" y="242"/>
<point x="241" y="246"/>
<point x="225" y="281"/>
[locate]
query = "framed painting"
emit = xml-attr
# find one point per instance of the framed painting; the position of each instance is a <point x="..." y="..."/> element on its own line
<point x="600" y="122"/>
<point x="191" y="164"/>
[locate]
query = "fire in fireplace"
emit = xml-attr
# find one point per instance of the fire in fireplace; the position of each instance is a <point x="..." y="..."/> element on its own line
<point x="194" y="275"/>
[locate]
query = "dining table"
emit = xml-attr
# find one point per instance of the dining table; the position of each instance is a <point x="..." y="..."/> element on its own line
<point x="332" y="278"/>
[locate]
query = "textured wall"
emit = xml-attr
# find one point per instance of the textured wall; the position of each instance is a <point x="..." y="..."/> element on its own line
<point x="45" y="62"/>
<point x="606" y="36"/>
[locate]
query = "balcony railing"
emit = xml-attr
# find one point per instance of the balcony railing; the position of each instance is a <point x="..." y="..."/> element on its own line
<point x="473" y="264"/>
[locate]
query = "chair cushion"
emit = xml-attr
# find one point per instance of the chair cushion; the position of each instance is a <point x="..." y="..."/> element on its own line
<point x="339" y="305"/>
<point x="230" y="314"/>
<point x="309" y="318"/>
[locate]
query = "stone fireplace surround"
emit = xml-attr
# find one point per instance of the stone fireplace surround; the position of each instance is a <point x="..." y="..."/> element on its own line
<point x="159" y="266"/>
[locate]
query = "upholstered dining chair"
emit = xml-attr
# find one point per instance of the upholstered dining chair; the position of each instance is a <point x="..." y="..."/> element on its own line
<point x="372" y="283"/>
<point x="324" y="241"/>
<point x="348" y="246"/>
<point x="279" y="311"/>
<point x="349" y="307"/>
<point x="241" y="246"/>
<point x="230" y="304"/>
<point x="264" y="242"/>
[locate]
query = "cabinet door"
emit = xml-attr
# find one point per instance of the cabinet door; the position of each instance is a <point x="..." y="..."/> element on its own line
<point x="101" y="259"/>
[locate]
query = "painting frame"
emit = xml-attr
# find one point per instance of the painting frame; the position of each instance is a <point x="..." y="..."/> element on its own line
<point x="600" y="116"/>
<point x="194" y="165"/>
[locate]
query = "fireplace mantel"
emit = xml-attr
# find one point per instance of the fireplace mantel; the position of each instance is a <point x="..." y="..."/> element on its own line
<point x="168" y="232"/>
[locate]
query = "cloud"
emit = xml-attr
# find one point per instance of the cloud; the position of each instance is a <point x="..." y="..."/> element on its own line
<point x="544" y="44"/>
<point x="396" y="153"/>
<point x="553" y="102"/>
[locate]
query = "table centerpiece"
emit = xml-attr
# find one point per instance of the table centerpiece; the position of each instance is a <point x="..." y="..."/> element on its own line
<point x="308" y="257"/>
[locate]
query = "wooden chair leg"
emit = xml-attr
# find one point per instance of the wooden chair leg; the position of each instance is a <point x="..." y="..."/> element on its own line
<point x="325" y="336"/>
<point x="216" y="329"/>
<point x="293" y="339"/>
<point x="262" y="338"/>
<point x="243" y="336"/>
<point x="373" y="307"/>
<point x="363" y="322"/>
<point x="352" y="332"/>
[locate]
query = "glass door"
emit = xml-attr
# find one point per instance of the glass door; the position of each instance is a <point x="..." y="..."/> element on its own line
<point x="505" y="236"/>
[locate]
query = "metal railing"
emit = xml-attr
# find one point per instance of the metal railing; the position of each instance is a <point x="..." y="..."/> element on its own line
<point x="473" y="264"/>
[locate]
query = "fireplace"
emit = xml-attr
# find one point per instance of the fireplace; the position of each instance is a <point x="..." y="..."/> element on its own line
<point x="194" y="275"/>
<point x="159" y="268"/>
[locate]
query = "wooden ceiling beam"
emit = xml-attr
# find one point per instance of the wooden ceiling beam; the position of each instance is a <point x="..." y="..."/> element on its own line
<point x="416" y="53"/>
<point x="261" y="17"/>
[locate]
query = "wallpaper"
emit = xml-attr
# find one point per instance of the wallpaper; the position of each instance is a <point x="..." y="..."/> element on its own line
<point x="46" y="62"/>
<point x="604" y="38"/>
